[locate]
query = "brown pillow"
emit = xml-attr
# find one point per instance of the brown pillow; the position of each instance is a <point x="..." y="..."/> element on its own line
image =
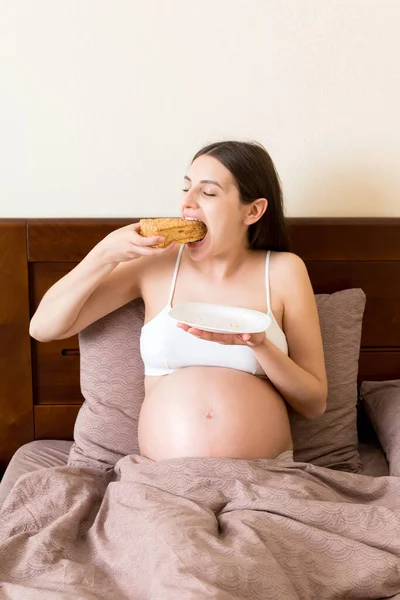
<point x="332" y="440"/>
<point x="382" y="405"/>
<point x="112" y="383"/>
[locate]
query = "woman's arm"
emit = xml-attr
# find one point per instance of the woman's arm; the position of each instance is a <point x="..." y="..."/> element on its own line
<point x="299" y="377"/>
<point x="91" y="290"/>
<point x="106" y="279"/>
<point x="301" y="389"/>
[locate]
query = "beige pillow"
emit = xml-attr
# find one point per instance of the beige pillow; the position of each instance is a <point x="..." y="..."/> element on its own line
<point x="382" y="405"/>
<point x="332" y="440"/>
<point x="112" y="383"/>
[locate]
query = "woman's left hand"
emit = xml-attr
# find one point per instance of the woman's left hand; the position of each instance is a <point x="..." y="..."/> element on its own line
<point x="230" y="339"/>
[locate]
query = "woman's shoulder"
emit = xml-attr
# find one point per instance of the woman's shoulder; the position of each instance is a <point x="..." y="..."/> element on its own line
<point x="283" y="264"/>
<point x="289" y="261"/>
<point x="289" y="272"/>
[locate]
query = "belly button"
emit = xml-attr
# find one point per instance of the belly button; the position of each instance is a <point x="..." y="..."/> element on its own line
<point x="209" y="414"/>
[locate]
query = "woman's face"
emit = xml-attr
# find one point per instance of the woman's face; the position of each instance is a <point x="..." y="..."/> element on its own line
<point x="210" y="194"/>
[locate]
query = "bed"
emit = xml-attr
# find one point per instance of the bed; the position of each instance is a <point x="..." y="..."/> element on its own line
<point x="44" y="379"/>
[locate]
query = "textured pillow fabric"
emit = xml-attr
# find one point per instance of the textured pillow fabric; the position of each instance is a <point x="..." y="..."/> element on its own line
<point x="382" y="405"/>
<point x="112" y="376"/>
<point x="112" y="383"/>
<point x="332" y="440"/>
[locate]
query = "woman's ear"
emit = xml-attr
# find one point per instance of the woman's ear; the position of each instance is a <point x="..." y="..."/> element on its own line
<point x="255" y="211"/>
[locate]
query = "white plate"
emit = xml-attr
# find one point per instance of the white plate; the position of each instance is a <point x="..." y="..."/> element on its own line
<point x="219" y="318"/>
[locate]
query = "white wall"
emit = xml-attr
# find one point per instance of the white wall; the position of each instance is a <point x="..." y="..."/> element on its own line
<point x="102" y="104"/>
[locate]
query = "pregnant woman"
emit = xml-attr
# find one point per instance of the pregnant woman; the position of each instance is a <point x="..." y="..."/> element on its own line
<point x="209" y="394"/>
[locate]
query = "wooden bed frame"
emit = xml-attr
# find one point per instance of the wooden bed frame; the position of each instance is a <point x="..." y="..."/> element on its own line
<point x="39" y="383"/>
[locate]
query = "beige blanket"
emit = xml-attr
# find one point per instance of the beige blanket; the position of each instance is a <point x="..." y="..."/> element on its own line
<point x="200" y="528"/>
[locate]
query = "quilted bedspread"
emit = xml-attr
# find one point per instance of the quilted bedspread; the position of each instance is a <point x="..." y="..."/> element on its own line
<point x="197" y="528"/>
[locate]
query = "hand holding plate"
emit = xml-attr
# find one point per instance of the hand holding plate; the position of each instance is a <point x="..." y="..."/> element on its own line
<point x="230" y="339"/>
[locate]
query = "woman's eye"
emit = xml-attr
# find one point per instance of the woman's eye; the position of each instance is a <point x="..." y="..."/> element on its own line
<point x="205" y="193"/>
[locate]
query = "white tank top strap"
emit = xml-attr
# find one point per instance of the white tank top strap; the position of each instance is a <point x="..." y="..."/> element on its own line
<point x="175" y="275"/>
<point x="267" y="285"/>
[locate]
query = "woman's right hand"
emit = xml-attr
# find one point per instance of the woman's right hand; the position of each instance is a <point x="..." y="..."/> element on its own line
<point x="126" y="244"/>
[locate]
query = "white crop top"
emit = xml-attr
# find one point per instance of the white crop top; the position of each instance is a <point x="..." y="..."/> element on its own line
<point x="165" y="348"/>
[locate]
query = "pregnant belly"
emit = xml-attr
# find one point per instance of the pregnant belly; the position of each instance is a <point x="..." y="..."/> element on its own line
<point x="212" y="411"/>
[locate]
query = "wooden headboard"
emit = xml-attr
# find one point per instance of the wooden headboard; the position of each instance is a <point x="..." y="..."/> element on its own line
<point x="39" y="383"/>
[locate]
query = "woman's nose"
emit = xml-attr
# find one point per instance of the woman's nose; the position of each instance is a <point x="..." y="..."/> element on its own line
<point x="190" y="199"/>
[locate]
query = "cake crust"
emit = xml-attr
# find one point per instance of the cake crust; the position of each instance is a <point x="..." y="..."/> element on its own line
<point x="173" y="229"/>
